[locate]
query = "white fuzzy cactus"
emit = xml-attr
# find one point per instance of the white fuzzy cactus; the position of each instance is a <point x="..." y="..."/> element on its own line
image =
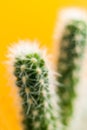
<point x="36" y="81"/>
<point x="71" y="33"/>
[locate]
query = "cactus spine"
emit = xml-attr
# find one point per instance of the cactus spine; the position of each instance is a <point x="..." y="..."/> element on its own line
<point x="33" y="80"/>
<point x="72" y="44"/>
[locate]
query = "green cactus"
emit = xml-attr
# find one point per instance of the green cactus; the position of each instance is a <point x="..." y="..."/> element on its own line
<point x="32" y="79"/>
<point x="72" y="46"/>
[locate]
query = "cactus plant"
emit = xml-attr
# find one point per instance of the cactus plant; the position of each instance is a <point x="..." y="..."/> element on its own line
<point x="72" y="45"/>
<point x="35" y="82"/>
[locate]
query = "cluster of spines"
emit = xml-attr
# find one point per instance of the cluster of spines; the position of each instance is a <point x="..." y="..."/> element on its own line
<point x="33" y="82"/>
<point x="72" y="46"/>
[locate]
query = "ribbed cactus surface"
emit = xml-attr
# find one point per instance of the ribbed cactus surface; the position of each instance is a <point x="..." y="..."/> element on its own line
<point x="72" y="46"/>
<point x="32" y="78"/>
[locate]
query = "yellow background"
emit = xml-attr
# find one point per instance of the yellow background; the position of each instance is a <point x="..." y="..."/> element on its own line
<point x="29" y="19"/>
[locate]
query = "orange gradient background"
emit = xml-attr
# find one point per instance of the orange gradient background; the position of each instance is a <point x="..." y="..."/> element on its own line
<point x="26" y="19"/>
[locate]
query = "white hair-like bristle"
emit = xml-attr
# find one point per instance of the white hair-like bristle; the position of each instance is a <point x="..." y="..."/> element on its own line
<point x="72" y="13"/>
<point x="65" y="16"/>
<point x="23" y="48"/>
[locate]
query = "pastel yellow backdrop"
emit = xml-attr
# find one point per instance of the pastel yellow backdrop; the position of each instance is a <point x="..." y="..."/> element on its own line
<point x="29" y="19"/>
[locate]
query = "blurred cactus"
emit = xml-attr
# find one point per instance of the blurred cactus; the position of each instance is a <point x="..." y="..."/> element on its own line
<point x="72" y="44"/>
<point x="35" y="82"/>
